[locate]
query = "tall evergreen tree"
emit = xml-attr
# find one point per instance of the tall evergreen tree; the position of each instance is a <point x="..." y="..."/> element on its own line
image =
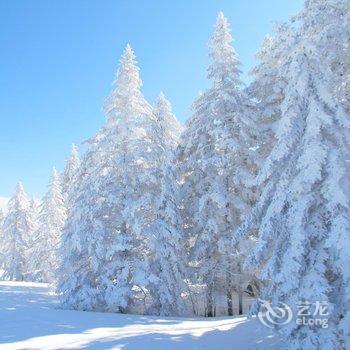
<point x="331" y="20"/>
<point x="167" y="260"/>
<point x="33" y="213"/>
<point x="303" y="214"/>
<point x="215" y="163"/>
<point x="48" y="235"/>
<point x="70" y="174"/>
<point x="167" y="122"/>
<point x="116" y="201"/>
<point x="17" y="229"/>
<point x="267" y="89"/>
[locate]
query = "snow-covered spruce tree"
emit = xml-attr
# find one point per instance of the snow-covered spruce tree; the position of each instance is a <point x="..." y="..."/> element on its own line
<point x="266" y="94"/>
<point x="105" y="236"/>
<point x="77" y="278"/>
<point x="267" y="89"/>
<point x="33" y="212"/>
<point x="333" y="29"/>
<point x="34" y="206"/>
<point x="70" y="174"/>
<point x="215" y="163"/>
<point x="303" y="213"/>
<point x="167" y="260"/>
<point x="341" y="60"/>
<point x="327" y="25"/>
<point x="48" y="235"/>
<point x="169" y="125"/>
<point x="16" y="237"/>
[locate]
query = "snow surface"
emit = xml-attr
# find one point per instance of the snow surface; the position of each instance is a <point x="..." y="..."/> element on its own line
<point x="30" y="318"/>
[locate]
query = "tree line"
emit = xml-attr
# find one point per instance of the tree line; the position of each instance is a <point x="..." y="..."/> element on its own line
<point x="250" y="197"/>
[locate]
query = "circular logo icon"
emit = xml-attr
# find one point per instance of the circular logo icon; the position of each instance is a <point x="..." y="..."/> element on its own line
<point x="271" y="316"/>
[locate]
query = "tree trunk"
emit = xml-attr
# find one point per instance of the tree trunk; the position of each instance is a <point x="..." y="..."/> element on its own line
<point x="229" y="303"/>
<point x="229" y="294"/>
<point x="240" y="302"/>
<point x="210" y="302"/>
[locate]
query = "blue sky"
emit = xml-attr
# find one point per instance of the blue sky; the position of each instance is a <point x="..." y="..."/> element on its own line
<point x="58" y="59"/>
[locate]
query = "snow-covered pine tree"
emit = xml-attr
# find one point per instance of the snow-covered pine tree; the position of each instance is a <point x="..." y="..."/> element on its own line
<point x="167" y="259"/>
<point x="17" y="230"/>
<point x="77" y="278"/>
<point x="167" y="122"/>
<point x="303" y="213"/>
<point x="105" y="243"/>
<point x="341" y="62"/>
<point x="33" y="212"/>
<point x="333" y="28"/>
<point x="48" y="235"/>
<point x="70" y="174"/>
<point x="34" y="206"/>
<point x="267" y="89"/>
<point x="327" y="25"/>
<point x="266" y="94"/>
<point x="215" y="163"/>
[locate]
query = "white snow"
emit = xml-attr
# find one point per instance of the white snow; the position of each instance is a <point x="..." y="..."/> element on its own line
<point x="3" y="203"/>
<point x="30" y="318"/>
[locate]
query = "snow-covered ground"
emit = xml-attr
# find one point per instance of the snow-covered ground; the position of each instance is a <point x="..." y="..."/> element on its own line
<point x="30" y="318"/>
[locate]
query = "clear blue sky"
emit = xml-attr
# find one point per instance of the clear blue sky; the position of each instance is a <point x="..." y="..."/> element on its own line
<point x="58" y="59"/>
